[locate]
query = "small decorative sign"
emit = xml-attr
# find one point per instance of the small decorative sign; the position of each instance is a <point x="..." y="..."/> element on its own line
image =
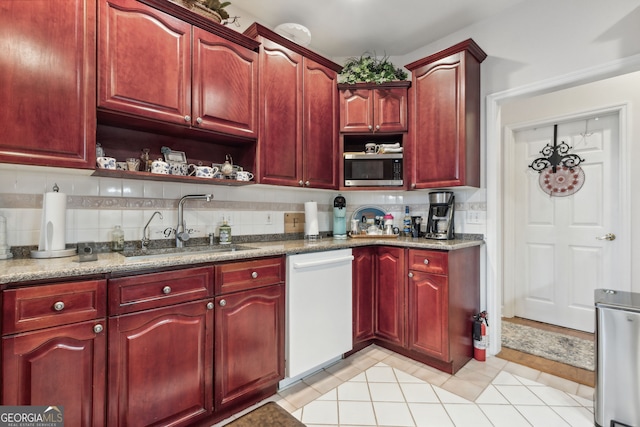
<point x="560" y="171"/>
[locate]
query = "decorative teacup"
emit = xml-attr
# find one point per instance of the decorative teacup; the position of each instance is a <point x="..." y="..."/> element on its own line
<point x="177" y="168"/>
<point x="159" y="166"/>
<point x="203" y="171"/>
<point x="106" y="162"/>
<point x="244" y="176"/>
<point x="121" y="166"/>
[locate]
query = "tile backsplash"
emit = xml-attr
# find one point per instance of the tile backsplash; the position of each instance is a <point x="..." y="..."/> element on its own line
<point x="96" y="204"/>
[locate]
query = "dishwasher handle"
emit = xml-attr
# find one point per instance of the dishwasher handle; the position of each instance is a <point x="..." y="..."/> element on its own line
<point x="321" y="262"/>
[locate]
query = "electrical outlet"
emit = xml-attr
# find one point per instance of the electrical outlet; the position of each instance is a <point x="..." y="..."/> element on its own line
<point x="269" y="219"/>
<point x="476" y="217"/>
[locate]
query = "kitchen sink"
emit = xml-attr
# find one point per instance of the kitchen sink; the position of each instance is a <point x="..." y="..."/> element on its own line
<point x="170" y="252"/>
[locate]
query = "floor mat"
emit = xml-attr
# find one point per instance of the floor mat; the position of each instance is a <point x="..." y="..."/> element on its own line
<point x="550" y="345"/>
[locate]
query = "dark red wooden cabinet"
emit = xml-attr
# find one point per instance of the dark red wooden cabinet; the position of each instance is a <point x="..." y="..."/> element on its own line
<point x="445" y="117"/>
<point x="161" y="348"/>
<point x="373" y="108"/>
<point x="58" y="355"/>
<point x="298" y="110"/>
<point x="249" y="334"/>
<point x="47" y="76"/>
<point x="422" y="302"/>
<point x="157" y="66"/>
<point x="390" y="295"/>
<point x="364" y="275"/>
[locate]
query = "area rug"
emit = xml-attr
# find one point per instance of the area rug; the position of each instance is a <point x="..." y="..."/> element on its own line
<point x="268" y="415"/>
<point x="561" y="348"/>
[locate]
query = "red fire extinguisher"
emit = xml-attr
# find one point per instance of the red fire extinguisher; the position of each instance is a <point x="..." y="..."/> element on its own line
<point x="480" y="326"/>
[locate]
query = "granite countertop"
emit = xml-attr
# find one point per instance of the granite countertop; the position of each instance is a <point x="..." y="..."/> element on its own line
<point x="29" y="269"/>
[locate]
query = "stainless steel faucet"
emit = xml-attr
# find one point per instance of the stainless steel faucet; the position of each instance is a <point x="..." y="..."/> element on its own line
<point x="181" y="234"/>
<point x="145" y="234"/>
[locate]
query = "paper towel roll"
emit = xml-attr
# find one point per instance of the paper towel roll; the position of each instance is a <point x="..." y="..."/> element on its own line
<point x="54" y="221"/>
<point x="311" y="219"/>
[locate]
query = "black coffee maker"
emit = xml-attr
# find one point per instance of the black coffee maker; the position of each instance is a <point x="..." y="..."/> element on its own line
<point x="440" y="218"/>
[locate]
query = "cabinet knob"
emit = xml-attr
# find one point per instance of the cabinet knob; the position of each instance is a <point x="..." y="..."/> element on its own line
<point x="426" y="261"/>
<point x="58" y="306"/>
<point x="209" y="306"/>
<point x="223" y="302"/>
<point x="410" y="274"/>
<point x="370" y="127"/>
<point x="254" y="274"/>
<point x="377" y="127"/>
<point x="199" y="120"/>
<point x="98" y="328"/>
<point x="413" y="185"/>
<point x="166" y="290"/>
<point x="307" y="183"/>
<point x="187" y="118"/>
<point x="300" y="183"/>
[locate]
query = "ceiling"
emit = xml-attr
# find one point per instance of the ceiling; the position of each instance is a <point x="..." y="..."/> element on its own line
<point x="344" y="28"/>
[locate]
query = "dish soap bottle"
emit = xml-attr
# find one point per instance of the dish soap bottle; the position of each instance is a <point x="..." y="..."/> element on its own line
<point x="406" y="222"/>
<point x="117" y="239"/>
<point x="225" y="233"/>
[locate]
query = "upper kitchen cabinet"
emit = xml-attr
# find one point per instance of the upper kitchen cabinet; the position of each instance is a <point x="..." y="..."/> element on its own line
<point x="298" y="106"/>
<point x="48" y="86"/>
<point x="157" y="61"/>
<point x="444" y="128"/>
<point x="368" y="107"/>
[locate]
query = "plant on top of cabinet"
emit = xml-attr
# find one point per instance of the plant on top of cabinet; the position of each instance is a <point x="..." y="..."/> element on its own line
<point x="211" y="8"/>
<point x="370" y="69"/>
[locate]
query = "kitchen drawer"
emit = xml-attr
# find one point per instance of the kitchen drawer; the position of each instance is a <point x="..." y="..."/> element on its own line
<point x="135" y="293"/>
<point x="44" y="306"/>
<point x="238" y="276"/>
<point x="435" y="262"/>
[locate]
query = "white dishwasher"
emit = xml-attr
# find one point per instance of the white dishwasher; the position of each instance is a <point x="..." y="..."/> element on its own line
<point x="319" y="311"/>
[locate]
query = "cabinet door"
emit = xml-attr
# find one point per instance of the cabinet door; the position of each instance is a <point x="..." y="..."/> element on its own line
<point x="225" y="85"/>
<point x="364" y="278"/>
<point x="249" y="343"/>
<point x="390" y="110"/>
<point x="280" y="115"/>
<point x="144" y="60"/>
<point x="320" y="136"/>
<point x="63" y="366"/>
<point x="428" y="315"/>
<point x="446" y="135"/>
<point x="48" y="86"/>
<point x="160" y="365"/>
<point x="390" y="295"/>
<point x="356" y="107"/>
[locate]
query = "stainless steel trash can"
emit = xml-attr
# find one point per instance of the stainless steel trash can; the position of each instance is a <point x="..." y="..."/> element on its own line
<point x="617" y="393"/>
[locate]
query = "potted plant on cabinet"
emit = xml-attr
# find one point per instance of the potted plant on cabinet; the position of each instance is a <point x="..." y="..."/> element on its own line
<point x="369" y="69"/>
<point x="213" y="9"/>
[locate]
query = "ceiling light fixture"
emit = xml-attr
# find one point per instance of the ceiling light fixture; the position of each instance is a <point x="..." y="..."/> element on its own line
<point x="295" y="32"/>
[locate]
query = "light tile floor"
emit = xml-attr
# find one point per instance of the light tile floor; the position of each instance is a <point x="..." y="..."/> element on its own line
<point x="376" y="387"/>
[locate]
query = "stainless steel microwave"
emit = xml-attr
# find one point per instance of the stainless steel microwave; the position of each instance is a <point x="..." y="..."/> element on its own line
<point x="373" y="170"/>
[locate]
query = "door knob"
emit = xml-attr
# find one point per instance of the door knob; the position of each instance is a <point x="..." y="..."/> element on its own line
<point x="608" y="236"/>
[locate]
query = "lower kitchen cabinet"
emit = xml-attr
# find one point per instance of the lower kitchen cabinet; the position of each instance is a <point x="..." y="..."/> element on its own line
<point x="249" y="332"/>
<point x="423" y="304"/>
<point x="364" y="262"/>
<point x="390" y="295"/>
<point x="54" y="349"/>
<point x="160" y="370"/>
<point x="249" y="343"/>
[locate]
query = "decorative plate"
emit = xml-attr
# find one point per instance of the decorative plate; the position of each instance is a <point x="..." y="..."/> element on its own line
<point x="565" y="182"/>
<point x="368" y="211"/>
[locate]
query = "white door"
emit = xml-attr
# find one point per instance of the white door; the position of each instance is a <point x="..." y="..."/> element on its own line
<point x="560" y="256"/>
